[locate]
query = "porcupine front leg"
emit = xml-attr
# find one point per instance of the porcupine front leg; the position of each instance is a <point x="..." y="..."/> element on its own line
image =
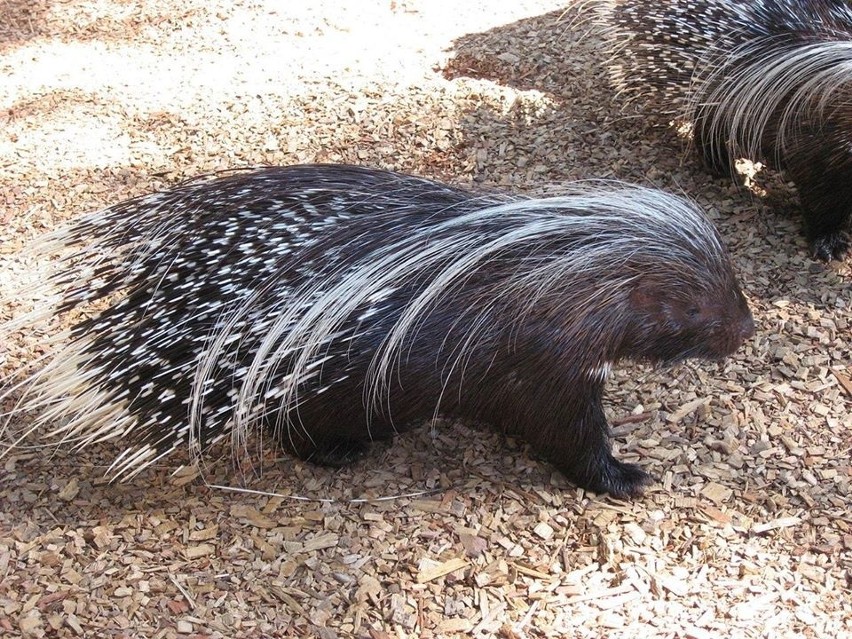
<point x="582" y="450"/>
<point x="596" y="469"/>
<point x="823" y="175"/>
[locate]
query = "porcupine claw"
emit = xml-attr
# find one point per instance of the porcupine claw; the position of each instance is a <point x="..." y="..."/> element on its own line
<point x="832" y="246"/>
<point x="620" y="480"/>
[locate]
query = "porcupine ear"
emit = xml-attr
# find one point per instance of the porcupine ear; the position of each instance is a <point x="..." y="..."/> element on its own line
<point x="675" y="316"/>
<point x="658" y="324"/>
<point x="652" y="309"/>
<point x="645" y="299"/>
<point x="647" y="303"/>
<point x="643" y="310"/>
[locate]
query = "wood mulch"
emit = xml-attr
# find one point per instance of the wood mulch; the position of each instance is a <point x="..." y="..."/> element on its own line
<point x="454" y="532"/>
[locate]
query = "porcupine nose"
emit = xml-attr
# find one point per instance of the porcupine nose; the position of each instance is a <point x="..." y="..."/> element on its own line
<point x="746" y="327"/>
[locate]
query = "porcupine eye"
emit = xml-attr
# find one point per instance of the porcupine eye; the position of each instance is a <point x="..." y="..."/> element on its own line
<point x="694" y="317"/>
<point x="663" y="313"/>
<point x="687" y="331"/>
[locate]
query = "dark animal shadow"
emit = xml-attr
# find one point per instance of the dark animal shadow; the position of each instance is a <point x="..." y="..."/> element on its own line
<point x="556" y="54"/>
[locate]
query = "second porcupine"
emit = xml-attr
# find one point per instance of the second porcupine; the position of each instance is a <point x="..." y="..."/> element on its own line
<point x="336" y="304"/>
<point x="761" y="79"/>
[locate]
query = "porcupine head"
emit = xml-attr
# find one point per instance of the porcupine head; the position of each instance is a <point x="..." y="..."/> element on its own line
<point x="664" y="316"/>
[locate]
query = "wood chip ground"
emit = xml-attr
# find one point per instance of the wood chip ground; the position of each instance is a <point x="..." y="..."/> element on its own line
<point x="451" y="532"/>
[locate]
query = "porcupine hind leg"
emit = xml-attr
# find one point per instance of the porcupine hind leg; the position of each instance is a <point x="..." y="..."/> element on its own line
<point x="325" y="450"/>
<point x="712" y="146"/>
<point x="822" y="172"/>
<point x="331" y="429"/>
<point x="341" y="452"/>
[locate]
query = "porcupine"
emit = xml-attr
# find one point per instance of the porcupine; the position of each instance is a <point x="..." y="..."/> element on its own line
<point x="761" y="79"/>
<point x="336" y="304"/>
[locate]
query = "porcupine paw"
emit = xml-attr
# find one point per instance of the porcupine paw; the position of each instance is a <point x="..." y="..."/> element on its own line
<point x="831" y="246"/>
<point x="341" y="452"/>
<point x="617" y="478"/>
